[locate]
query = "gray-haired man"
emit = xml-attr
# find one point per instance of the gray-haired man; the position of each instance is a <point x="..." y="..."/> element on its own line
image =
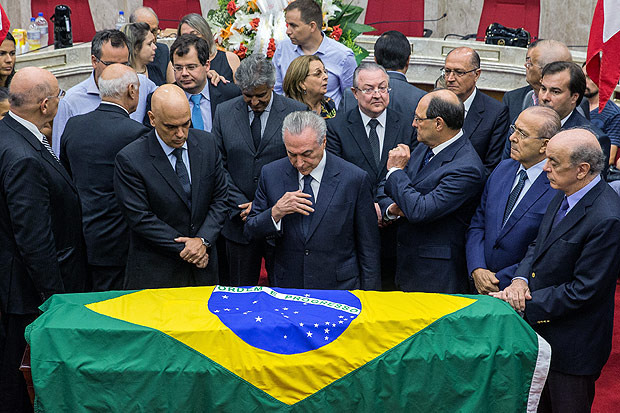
<point x="248" y="130"/>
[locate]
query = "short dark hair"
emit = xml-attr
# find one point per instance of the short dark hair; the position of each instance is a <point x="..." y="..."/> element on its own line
<point x="309" y="10"/>
<point x="577" y="82"/>
<point x="181" y="46"/>
<point x="115" y="37"/>
<point x="452" y="114"/>
<point x="392" y="50"/>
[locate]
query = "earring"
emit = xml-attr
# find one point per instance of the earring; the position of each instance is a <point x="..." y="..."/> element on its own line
<point x="305" y="91"/>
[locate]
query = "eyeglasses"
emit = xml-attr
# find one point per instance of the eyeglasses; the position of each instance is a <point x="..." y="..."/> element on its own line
<point x="103" y="62"/>
<point x="60" y="95"/>
<point x="190" y="68"/>
<point x="522" y="134"/>
<point x="418" y="119"/>
<point x="371" y="91"/>
<point x="528" y="63"/>
<point x="458" y="73"/>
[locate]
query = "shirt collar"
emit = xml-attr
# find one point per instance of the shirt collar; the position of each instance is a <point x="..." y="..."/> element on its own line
<point x="469" y="100"/>
<point x="381" y="118"/>
<point x="114" y="104"/>
<point x="397" y="73"/>
<point x="167" y="149"/>
<point x="28" y="125"/>
<point x="316" y="173"/>
<point x="563" y="121"/>
<point x="321" y="50"/>
<point x="576" y="197"/>
<point x="91" y="86"/>
<point x="268" y="108"/>
<point x="447" y="143"/>
<point x="204" y="92"/>
<point x="533" y="171"/>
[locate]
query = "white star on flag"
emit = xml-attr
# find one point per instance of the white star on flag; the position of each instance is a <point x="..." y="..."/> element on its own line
<point x="225" y="297"/>
<point x="301" y="324"/>
<point x="316" y="325"/>
<point x="309" y="334"/>
<point x="326" y="338"/>
<point x="326" y="331"/>
<point x="258" y="319"/>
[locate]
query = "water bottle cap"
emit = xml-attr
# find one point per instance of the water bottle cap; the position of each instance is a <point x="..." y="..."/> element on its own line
<point x="32" y="19"/>
<point x="121" y="12"/>
<point x="41" y="14"/>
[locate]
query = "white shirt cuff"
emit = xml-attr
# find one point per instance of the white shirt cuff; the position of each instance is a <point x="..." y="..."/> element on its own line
<point x="278" y="224"/>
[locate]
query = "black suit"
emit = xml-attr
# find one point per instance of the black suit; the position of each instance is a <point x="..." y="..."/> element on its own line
<point x="515" y="101"/>
<point x="41" y="245"/>
<point x="88" y="147"/>
<point x="486" y="125"/>
<point x="217" y="94"/>
<point x="404" y="97"/>
<point x="158" y="211"/>
<point x="243" y="163"/>
<point x="572" y="270"/>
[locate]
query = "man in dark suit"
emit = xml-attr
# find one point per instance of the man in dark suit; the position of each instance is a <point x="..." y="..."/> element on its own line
<point x="562" y="87"/>
<point x="319" y="209"/>
<point x="392" y="51"/>
<point x="89" y="145"/>
<point x="160" y="69"/>
<point x="189" y="55"/>
<point x="41" y="246"/>
<point x="486" y="120"/>
<point x="434" y="194"/>
<point x="249" y="134"/>
<point x="514" y="200"/>
<point x="566" y="283"/>
<point x="172" y="190"/>
<point x="364" y="135"/>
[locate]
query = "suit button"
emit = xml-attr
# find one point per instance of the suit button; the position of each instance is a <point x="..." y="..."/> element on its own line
<point x="255" y="180"/>
<point x="191" y="227"/>
<point x="533" y="275"/>
<point x="495" y="247"/>
<point x="307" y="252"/>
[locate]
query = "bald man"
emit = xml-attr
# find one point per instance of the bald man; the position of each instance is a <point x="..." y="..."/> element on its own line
<point x="172" y="190"/>
<point x="486" y="119"/>
<point x="89" y="145"/>
<point x="565" y="284"/>
<point x="41" y="248"/>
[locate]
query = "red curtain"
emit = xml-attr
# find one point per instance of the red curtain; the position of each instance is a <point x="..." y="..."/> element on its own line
<point x="396" y="11"/>
<point x="171" y="11"/>
<point x="81" y="20"/>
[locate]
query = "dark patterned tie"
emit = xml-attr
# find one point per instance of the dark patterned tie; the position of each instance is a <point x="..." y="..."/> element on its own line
<point x="559" y="216"/>
<point x="305" y="219"/>
<point x="514" y="195"/>
<point x="427" y="157"/>
<point x="48" y="147"/>
<point x="373" y="138"/>
<point x="255" y="128"/>
<point x="181" y="171"/>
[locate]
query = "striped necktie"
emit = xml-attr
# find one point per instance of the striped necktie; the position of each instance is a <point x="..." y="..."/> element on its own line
<point x="48" y="147"/>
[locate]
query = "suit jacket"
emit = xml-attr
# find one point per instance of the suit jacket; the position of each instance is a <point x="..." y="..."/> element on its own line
<point x="404" y="97"/>
<point x="347" y="138"/>
<point x="577" y="120"/>
<point x="497" y="248"/>
<point x="88" y="147"/>
<point x="438" y="202"/>
<point x="515" y="101"/>
<point x="217" y="94"/>
<point x="41" y="245"/>
<point x="486" y="125"/>
<point x="157" y="210"/>
<point x="242" y="161"/>
<point x="572" y="271"/>
<point x="341" y="250"/>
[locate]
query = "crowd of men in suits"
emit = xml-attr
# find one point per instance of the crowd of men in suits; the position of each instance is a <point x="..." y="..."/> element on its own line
<point x="208" y="189"/>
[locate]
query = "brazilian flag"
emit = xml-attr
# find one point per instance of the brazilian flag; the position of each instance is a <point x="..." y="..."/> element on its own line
<point x="260" y="349"/>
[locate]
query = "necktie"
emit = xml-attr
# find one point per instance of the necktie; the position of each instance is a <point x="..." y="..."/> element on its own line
<point x="181" y="171"/>
<point x="373" y="138"/>
<point x="559" y="216"/>
<point x="197" y="121"/>
<point x="427" y="157"/>
<point x="48" y="147"/>
<point x="255" y="128"/>
<point x="514" y="195"/>
<point x="305" y="219"/>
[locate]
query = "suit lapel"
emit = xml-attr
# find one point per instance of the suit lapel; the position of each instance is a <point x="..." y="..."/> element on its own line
<point x="291" y="184"/>
<point x="358" y="131"/>
<point x="163" y="166"/>
<point x="195" y="165"/>
<point x="390" y="138"/>
<point x="446" y="155"/>
<point x="215" y="98"/>
<point x="329" y="183"/>
<point x="274" y="122"/>
<point x="242" y="121"/>
<point x="506" y="184"/>
<point x="474" y="115"/>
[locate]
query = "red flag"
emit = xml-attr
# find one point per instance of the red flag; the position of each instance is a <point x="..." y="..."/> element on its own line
<point x="5" y="24"/>
<point x="603" y="57"/>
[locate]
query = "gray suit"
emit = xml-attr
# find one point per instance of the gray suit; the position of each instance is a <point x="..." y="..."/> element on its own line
<point x="243" y="164"/>
<point x="404" y="97"/>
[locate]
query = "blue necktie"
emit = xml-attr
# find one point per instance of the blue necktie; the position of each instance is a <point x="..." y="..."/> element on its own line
<point x="514" y="195"/>
<point x="305" y="219"/>
<point x="427" y="157"/>
<point x="197" y="121"/>
<point x="181" y="171"/>
<point x="559" y="216"/>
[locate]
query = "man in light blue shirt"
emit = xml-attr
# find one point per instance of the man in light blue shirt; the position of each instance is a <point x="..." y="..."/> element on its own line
<point x="107" y="47"/>
<point x="304" y="20"/>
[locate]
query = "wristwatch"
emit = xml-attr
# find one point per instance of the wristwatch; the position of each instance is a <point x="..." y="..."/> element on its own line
<point x="205" y="243"/>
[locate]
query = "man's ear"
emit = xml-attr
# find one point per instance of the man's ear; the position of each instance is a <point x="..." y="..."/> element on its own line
<point x="151" y="118"/>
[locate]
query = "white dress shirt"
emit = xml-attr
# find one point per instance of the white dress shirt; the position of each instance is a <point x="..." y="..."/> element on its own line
<point x="380" y="127"/>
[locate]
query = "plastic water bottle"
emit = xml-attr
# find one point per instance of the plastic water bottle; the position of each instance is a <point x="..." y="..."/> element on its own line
<point x="120" y="22"/>
<point x="33" y="35"/>
<point x="42" y="24"/>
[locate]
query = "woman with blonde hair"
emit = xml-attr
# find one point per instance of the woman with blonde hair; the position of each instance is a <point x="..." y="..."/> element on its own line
<point x="306" y="81"/>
